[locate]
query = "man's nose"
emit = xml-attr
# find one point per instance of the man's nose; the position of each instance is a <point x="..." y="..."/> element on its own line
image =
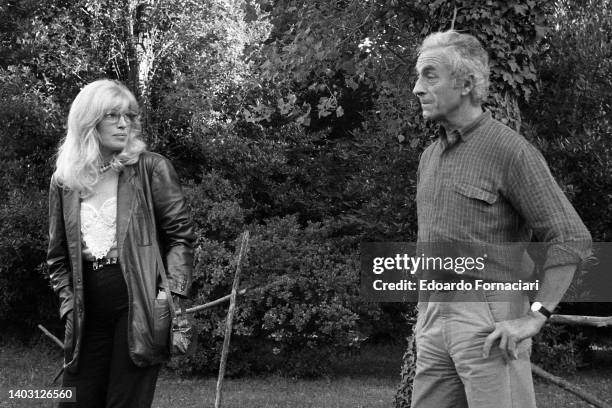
<point x="418" y="89"/>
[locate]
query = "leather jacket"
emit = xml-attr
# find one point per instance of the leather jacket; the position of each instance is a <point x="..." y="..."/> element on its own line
<point x="148" y="190"/>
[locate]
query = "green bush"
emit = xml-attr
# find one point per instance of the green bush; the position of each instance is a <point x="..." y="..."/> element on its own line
<point x="29" y="133"/>
<point x="570" y="118"/>
<point x="26" y="297"/>
<point x="305" y="315"/>
<point x="403" y="395"/>
<point x="560" y="349"/>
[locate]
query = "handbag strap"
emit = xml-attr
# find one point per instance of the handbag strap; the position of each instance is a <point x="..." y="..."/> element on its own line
<point x="164" y="279"/>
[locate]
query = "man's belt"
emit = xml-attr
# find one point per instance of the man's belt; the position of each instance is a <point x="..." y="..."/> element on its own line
<point x="102" y="262"/>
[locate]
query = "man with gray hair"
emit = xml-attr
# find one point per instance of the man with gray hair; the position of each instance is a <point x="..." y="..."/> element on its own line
<point x="482" y="183"/>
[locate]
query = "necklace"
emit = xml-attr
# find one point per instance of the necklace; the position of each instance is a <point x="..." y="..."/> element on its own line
<point x="105" y="167"/>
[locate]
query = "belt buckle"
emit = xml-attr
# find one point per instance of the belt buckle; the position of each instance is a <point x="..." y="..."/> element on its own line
<point x="99" y="263"/>
<point x="102" y="262"/>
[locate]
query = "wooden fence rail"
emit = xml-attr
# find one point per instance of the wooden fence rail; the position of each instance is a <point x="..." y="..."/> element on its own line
<point x="597" y="321"/>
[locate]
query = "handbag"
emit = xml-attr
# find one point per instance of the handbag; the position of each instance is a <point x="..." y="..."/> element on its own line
<point x="182" y="331"/>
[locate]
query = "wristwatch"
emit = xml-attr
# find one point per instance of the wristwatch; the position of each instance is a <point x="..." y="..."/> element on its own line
<point x="537" y="307"/>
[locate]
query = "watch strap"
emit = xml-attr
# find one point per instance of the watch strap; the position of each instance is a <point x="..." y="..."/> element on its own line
<point x="547" y="313"/>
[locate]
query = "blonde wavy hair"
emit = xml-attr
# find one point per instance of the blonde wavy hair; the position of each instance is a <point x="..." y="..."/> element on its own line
<point x="78" y="160"/>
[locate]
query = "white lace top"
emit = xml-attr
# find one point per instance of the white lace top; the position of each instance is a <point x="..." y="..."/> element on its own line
<point x="99" y="228"/>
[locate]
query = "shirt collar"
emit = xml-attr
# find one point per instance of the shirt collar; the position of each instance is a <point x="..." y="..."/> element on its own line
<point x="463" y="134"/>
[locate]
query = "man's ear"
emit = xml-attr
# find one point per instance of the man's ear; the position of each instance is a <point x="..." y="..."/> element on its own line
<point x="466" y="84"/>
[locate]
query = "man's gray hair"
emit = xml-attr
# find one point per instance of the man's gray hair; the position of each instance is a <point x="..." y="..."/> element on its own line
<point x="466" y="56"/>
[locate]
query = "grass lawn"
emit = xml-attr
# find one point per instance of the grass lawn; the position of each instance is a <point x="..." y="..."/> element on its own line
<point x="369" y="380"/>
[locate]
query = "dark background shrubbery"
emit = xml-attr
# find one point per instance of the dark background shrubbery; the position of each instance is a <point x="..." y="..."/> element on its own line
<point x="307" y="137"/>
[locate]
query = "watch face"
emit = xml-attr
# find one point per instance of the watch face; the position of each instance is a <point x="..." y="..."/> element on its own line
<point x="536" y="306"/>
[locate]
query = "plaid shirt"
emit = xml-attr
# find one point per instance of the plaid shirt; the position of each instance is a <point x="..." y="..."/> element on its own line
<point x="486" y="184"/>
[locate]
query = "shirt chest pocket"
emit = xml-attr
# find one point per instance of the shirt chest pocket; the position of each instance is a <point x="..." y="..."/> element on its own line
<point x="479" y="194"/>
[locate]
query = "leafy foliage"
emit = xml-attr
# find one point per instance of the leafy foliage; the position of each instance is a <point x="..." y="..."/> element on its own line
<point x="560" y="349"/>
<point x="305" y="313"/>
<point x="571" y="117"/>
<point x="22" y="254"/>
<point x="403" y="395"/>
<point x="30" y="124"/>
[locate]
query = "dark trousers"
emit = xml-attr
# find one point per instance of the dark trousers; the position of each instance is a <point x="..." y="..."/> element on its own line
<point x="107" y="377"/>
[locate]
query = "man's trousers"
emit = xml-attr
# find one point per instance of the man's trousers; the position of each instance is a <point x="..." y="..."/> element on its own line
<point x="451" y="371"/>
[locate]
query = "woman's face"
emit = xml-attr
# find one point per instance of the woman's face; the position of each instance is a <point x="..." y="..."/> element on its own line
<point x="115" y="129"/>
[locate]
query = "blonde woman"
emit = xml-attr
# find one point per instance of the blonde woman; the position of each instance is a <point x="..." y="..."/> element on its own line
<point x="112" y="207"/>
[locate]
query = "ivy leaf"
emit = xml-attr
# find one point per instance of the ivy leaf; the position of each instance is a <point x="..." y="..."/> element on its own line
<point x="348" y="66"/>
<point x="326" y="106"/>
<point x="527" y="92"/>
<point x="518" y="78"/>
<point x="248" y="116"/>
<point x="284" y="108"/>
<point x="304" y="120"/>
<point x="541" y="31"/>
<point x="339" y="112"/>
<point x="351" y="83"/>
<point x="520" y="9"/>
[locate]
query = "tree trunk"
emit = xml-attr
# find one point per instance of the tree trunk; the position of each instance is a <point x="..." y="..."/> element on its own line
<point x="505" y="108"/>
<point x="142" y="55"/>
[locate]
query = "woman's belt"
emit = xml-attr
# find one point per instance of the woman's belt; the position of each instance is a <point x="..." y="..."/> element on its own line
<point x="102" y="262"/>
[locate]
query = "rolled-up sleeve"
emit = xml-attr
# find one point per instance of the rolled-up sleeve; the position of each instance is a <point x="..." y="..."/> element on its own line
<point x="536" y="195"/>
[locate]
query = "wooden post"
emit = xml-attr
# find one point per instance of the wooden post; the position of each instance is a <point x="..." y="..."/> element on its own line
<point x="226" y="298"/>
<point x="59" y="343"/>
<point x="52" y="337"/>
<point x="229" y="319"/>
<point x="210" y="304"/>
